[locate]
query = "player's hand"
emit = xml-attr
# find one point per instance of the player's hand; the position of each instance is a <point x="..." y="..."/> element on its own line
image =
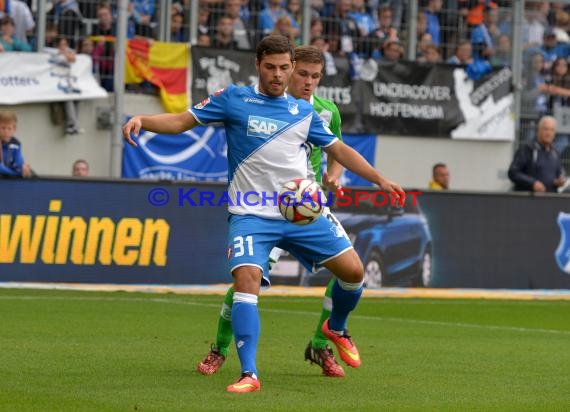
<point x="559" y="181"/>
<point x="132" y="129"/>
<point x="396" y="192"/>
<point x="331" y="183"/>
<point x="390" y="187"/>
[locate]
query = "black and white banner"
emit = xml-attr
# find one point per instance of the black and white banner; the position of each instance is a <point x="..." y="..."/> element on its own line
<point x="407" y="98"/>
<point x="212" y="70"/>
<point x="402" y="98"/>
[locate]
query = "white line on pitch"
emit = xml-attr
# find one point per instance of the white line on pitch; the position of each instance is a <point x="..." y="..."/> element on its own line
<point x="290" y="312"/>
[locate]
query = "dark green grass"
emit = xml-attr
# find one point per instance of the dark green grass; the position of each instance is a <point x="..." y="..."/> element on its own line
<point x="87" y="351"/>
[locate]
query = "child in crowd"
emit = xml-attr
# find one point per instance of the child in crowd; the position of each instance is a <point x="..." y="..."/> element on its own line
<point x="11" y="159"/>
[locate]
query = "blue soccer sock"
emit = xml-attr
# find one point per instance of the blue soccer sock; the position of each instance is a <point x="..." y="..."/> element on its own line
<point x="345" y="297"/>
<point x="245" y="322"/>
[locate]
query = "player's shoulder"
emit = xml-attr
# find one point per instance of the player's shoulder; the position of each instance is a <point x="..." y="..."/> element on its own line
<point x="325" y="103"/>
<point x="303" y="106"/>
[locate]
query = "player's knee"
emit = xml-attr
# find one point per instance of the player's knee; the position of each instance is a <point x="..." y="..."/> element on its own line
<point x="247" y="279"/>
<point x="352" y="272"/>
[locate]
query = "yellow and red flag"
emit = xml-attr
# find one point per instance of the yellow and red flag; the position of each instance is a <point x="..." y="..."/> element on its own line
<point x="163" y="64"/>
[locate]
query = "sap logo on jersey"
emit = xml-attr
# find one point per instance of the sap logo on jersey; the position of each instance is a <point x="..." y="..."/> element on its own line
<point x="263" y="127"/>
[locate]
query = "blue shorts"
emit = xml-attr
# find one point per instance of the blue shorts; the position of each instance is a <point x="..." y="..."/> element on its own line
<point x="251" y="238"/>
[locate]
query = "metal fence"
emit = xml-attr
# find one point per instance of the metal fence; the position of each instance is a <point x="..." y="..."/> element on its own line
<point x="510" y="32"/>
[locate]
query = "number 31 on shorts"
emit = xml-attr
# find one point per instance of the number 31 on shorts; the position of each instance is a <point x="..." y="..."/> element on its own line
<point x="240" y="246"/>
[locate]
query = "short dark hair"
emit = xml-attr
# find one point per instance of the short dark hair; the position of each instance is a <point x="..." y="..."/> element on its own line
<point x="309" y="54"/>
<point x="437" y="166"/>
<point x="274" y="44"/>
<point x="78" y="161"/>
<point x="7" y="20"/>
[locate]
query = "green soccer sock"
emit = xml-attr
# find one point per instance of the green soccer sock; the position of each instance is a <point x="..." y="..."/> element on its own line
<point x="319" y="340"/>
<point x="225" y="334"/>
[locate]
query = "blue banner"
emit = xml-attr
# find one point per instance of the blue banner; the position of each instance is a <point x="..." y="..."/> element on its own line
<point x="141" y="232"/>
<point x="112" y="232"/>
<point x="199" y="154"/>
<point x="365" y="144"/>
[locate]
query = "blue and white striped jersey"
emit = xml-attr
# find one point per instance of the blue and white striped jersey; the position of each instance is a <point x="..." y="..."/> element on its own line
<point x="266" y="143"/>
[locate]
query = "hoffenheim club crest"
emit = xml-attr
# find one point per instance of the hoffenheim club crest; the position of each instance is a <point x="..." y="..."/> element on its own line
<point x="562" y="253"/>
<point x="293" y="108"/>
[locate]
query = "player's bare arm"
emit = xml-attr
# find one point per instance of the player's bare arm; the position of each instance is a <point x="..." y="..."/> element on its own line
<point x="353" y="161"/>
<point x="165" y="123"/>
<point x="331" y="178"/>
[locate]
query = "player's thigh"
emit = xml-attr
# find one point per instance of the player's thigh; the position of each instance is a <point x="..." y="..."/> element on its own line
<point x="250" y="240"/>
<point x="317" y="242"/>
<point x="346" y="266"/>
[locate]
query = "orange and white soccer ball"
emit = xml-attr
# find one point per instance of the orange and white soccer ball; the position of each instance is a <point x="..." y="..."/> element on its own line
<point x="301" y="201"/>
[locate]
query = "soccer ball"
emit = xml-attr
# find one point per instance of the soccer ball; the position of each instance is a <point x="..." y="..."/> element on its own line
<point x="301" y="201"/>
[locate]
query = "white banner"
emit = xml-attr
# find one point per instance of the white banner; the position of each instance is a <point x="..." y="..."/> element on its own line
<point x="37" y="77"/>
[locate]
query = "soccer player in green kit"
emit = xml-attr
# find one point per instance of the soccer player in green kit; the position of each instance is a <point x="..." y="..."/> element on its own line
<point x="309" y="65"/>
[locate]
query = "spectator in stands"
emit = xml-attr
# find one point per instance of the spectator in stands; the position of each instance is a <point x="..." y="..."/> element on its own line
<point x="503" y="51"/>
<point x="177" y="28"/>
<point x="203" y="40"/>
<point x="440" y="177"/>
<point x="322" y="44"/>
<point x="86" y="46"/>
<point x="66" y="15"/>
<point x="482" y="41"/>
<point x="424" y="41"/>
<point x="534" y="24"/>
<point x="8" y="40"/>
<point x="558" y="84"/>
<point x="51" y="33"/>
<point x="80" y="168"/>
<point x="268" y="17"/>
<point x="142" y="14"/>
<point x="204" y="31"/>
<point x="295" y="9"/>
<point x="491" y="19"/>
<point x="463" y="53"/>
<point x="317" y="28"/>
<point x="432" y="13"/>
<point x="318" y="8"/>
<point x="536" y="165"/>
<point x="551" y="49"/>
<point x="63" y="58"/>
<point x="284" y="27"/>
<point x="104" y="50"/>
<point x="534" y="98"/>
<point x="392" y="51"/>
<point x="398" y="12"/>
<point x="561" y="26"/>
<point x="382" y="32"/>
<point x="11" y="159"/>
<point x="23" y="20"/>
<point x="421" y="25"/>
<point x="224" y="38"/>
<point x="432" y="54"/>
<point x="474" y="11"/>
<point x="232" y="9"/>
<point x="364" y="21"/>
<point x="341" y="30"/>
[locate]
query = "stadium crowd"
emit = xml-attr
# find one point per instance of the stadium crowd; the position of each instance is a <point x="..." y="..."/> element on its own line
<point x="476" y="33"/>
